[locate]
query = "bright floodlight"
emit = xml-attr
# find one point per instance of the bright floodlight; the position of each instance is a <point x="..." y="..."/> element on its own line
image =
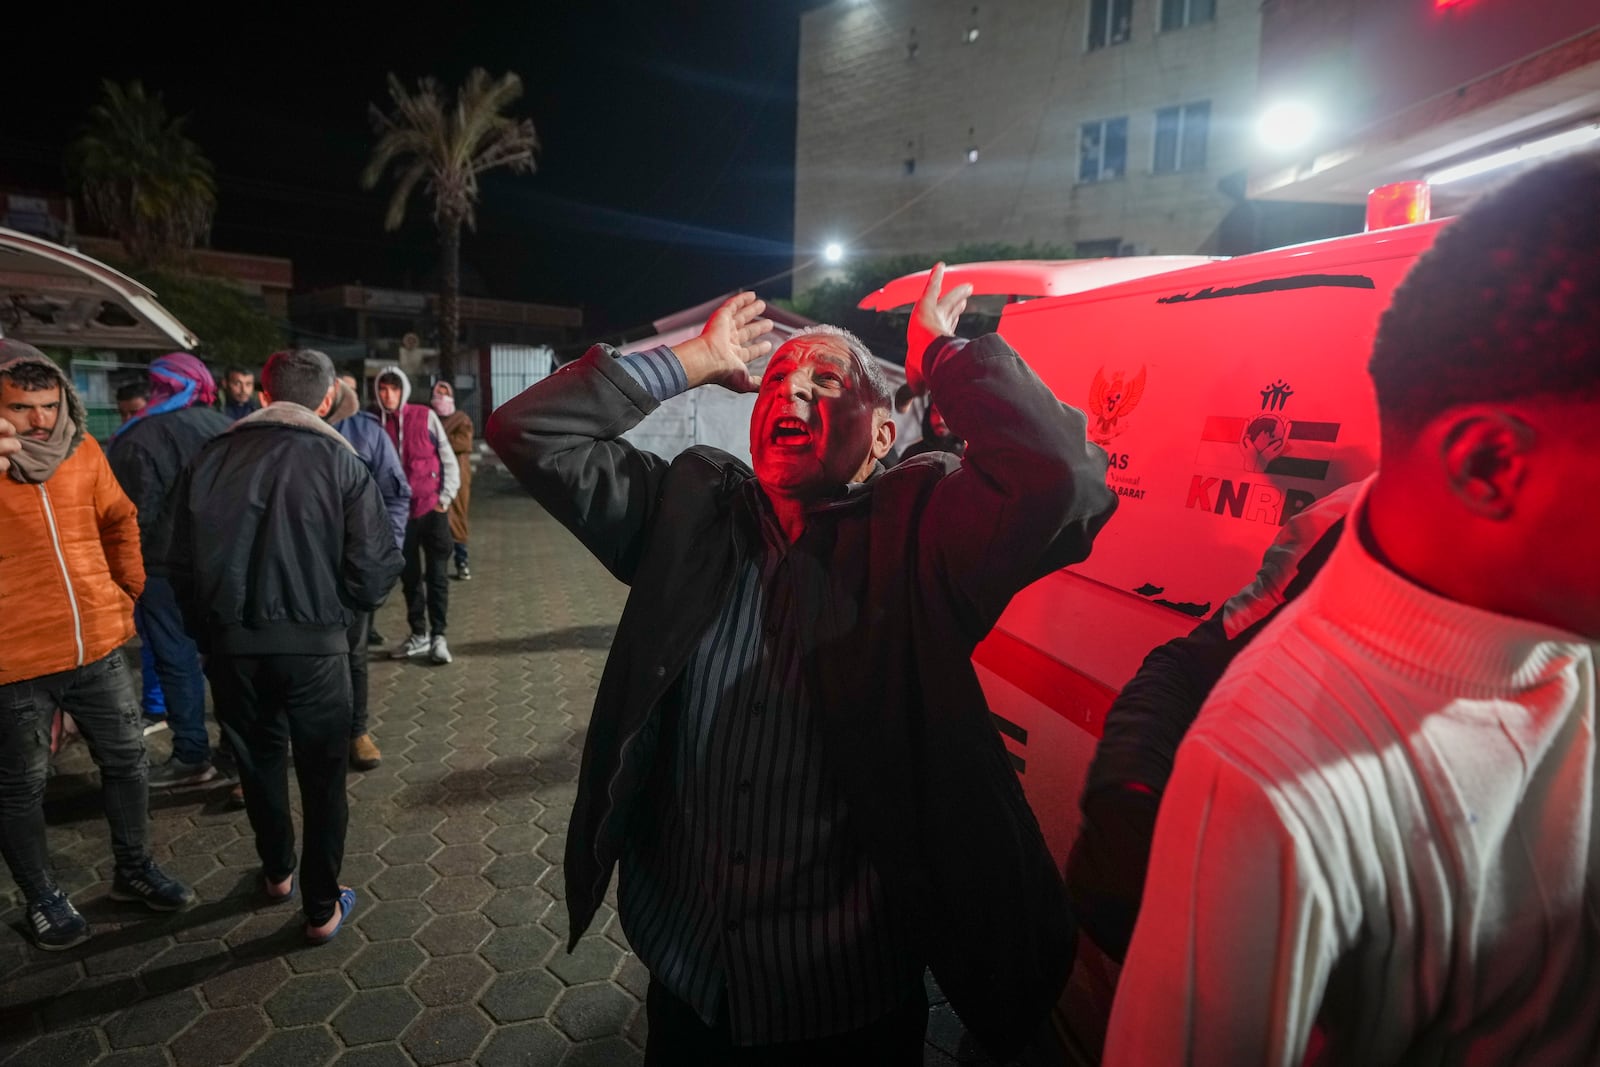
<point x="1286" y="125"/>
<point x="833" y="252"/>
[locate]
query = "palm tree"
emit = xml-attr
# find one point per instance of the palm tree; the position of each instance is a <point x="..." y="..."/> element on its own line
<point x="425" y="141"/>
<point x="141" y="176"/>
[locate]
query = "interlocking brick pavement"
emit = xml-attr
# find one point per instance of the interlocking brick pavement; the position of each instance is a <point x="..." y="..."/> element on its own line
<point x="456" y="952"/>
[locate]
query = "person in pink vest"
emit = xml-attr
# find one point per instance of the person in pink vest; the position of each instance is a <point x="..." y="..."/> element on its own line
<point x="435" y="478"/>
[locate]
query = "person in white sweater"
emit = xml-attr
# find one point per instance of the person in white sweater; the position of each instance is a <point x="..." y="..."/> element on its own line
<point x="1379" y="843"/>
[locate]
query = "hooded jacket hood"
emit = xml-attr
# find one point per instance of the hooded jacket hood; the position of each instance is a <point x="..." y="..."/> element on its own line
<point x="393" y="371"/>
<point x="14" y="353"/>
<point x="346" y="404"/>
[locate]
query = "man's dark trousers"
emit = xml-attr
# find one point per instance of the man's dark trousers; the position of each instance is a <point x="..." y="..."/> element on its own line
<point x="427" y="547"/>
<point x="678" y="1038"/>
<point x="178" y="666"/>
<point x="100" y="697"/>
<point x="358" y="672"/>
<point x="265" y="705"/>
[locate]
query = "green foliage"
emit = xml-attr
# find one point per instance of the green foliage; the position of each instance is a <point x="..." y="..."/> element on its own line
<point x="141" y="176"/>
<point x="231" y="328"/>
<point x="834" y="300"/>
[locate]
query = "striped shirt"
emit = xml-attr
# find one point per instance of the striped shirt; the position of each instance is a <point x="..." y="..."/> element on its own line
<point x="744" y="888"/>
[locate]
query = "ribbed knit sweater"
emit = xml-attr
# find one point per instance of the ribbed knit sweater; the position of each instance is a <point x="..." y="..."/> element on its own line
<point x="1378" y="845"/>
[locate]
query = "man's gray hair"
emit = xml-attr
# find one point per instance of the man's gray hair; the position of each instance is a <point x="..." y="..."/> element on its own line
<point x="869" y="374"/>
<point x="301" y="376"/>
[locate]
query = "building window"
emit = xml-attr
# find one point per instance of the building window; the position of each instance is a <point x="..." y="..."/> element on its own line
<point x="1176" y="14"/>
<point x="1181" y="137"/>
<point x="1110" y="22"/>
<point x="1103" y="150"/>
<point x="1104" y="248"/>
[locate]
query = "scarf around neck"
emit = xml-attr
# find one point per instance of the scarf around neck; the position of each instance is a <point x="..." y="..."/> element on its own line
<point x="39" y="459"/>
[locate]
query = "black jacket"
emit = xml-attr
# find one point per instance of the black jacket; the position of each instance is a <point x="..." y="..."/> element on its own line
<point x="278" y="536"/>
<point x="925" y="558"/>
<point x="149" y="457"/>
<point x="1106" y="869"/>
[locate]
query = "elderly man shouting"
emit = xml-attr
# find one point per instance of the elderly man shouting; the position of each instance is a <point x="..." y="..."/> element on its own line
<point x="790" y="755"/>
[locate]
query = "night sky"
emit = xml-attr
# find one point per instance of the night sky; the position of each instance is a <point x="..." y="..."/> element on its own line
<point x="667" y="129"/>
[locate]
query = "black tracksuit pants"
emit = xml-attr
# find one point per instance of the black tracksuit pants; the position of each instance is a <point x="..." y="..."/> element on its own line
<point x="265" y="705"/>
<point x="427" y="553"/>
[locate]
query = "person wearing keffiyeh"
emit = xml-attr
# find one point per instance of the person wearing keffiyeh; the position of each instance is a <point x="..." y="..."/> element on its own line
<point x="147" y="454"/>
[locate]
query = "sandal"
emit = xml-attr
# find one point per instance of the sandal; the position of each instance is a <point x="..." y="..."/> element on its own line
<point x="278" y="898"/>
<point x="347" y="904"/>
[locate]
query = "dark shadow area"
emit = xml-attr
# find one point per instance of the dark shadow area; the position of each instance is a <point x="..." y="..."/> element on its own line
<point x="63" y="1012"/>
<point x="71" y="798"/>
<point x="596" y="637"/>
<point x="482" y="785"/>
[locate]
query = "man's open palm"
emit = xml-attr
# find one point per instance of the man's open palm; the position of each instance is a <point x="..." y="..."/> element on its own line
<point x="934" y="316"/>
<point x="728" y="344"/>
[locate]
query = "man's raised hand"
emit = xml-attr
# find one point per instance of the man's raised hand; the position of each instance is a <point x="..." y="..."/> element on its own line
<point x="934" y="316"/>
<point x="728" y="342"/>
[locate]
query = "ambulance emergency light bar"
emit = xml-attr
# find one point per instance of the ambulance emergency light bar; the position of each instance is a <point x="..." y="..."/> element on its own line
<point x="1522" y="153"/>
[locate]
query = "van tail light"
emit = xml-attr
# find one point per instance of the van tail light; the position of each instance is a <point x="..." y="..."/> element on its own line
<point x="1398" y="204"/>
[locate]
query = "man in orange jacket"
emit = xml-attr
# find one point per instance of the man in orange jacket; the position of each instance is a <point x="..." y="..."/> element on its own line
<point x="68" y="579"/>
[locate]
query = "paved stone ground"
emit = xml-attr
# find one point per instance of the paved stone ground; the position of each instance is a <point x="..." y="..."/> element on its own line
<point x="456" y="951"/>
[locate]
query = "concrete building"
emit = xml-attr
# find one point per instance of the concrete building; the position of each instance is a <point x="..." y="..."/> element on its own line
<point x="1112" y="127"/>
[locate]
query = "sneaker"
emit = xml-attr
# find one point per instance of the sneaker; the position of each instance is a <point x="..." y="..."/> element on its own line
<point x="150" y="887"/>
<point x="364" y="754"/>
<point x="176" y="773"/>
<point x="236" y="797"/>
<point x="154" y="724"/>
<point x="439" y="652"/>
<point x="464" y="573"/>
<point x="54" y="924"/>
<point x="416" y="645"/>
<point x="374" y="637"/>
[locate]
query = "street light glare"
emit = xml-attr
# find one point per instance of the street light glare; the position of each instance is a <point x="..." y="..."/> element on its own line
<point x="1286" y="125"/>
<point x="833" y="252"/>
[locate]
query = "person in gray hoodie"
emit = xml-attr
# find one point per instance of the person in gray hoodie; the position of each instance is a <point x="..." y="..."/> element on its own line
<point x="435" y="478"/>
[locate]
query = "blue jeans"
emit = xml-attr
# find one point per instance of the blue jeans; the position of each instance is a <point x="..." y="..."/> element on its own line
<point x="100" y="698"/>
<point x="178" y="666"/>
<point x="151" y="697"/>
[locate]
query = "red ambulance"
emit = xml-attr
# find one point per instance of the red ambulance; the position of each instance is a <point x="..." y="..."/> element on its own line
<point x="1229" y="394"/>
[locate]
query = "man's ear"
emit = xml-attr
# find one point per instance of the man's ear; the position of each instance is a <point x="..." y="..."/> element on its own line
<point x="1485" y="455"/>
<point x="265" y="399"/>
<point x="327" y="401"/>
<point x="883" y="435"/>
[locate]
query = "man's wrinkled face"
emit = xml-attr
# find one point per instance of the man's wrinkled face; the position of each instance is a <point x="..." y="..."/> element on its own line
<point x="240" y="387"/>
<point x="389" y="395"/>
<point x="32" y="411"/>
<point x="132" y="406"/>
<point x="813" y="429"/>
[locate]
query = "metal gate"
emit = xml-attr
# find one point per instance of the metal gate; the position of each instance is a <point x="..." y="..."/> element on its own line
<point x="512" y="368"/>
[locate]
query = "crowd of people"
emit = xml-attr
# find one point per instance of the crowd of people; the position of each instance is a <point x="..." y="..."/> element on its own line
<point x="1349" y="819"/>
<point x="261" y="581"/>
